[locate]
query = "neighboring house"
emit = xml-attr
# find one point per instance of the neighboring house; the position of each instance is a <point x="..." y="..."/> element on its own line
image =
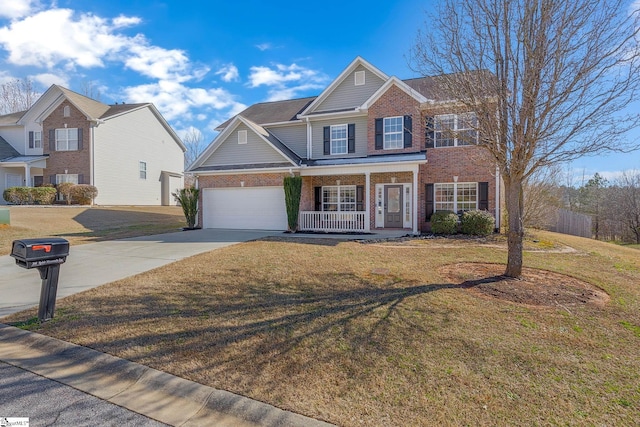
<point x="127" y="151"/>
<point x="374" y="152"/>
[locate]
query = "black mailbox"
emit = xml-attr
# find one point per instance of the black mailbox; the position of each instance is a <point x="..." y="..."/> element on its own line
<point x="33" y="253"/>
<point x="45" y="254"/>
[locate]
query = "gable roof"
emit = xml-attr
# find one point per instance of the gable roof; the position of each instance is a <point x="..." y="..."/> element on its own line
<point x="435" y="87"/>
<point x="11" y="119"/>
<point x="359" y="61"/>
<point x="394" y="81"/>
<point x="273" y="112"/>
<point x="291" y="158"/>
<point x="7" y="150"/>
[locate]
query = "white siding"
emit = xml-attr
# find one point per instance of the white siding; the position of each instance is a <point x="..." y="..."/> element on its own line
<point x="119" y="145"/>
<point x="361" y="137"/>
<point x="348" y="95"/>
<point x="294" y="137"/>
<point x="33" y="127"/>
<point x="256" y="150"/>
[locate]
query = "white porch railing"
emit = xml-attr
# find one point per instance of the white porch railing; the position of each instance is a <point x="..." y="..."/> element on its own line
<point x="337" y="222"/>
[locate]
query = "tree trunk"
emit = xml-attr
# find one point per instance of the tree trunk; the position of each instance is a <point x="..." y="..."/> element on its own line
<point x="515" y="234"/>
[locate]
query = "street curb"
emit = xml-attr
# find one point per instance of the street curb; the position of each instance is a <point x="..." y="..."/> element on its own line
<point x="147" y="391"/>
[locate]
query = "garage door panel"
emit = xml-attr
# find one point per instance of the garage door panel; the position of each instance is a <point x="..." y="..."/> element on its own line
<point x="252" y="208"/>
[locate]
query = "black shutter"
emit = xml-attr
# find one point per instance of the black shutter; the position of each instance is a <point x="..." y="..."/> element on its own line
<point x="79" y="139"/>
<point x="52" y="179"/>
<point x="326" y="131"/>
<point x="30" y="139"/>
<point x="52" y="140"/>
<point x="317" y="199"/>
<point x="379" y="134"/>
<point x="429" y="132"/>
<point x="428" y="196"/>
<point x="351" y="137"/>
<point x="408" y="131"/>
<point x="483" y="196"/>
<point x="360" y="198"/>
<point x="80" y="178"/>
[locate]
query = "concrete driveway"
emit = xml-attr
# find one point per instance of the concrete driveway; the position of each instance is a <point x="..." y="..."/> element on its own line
<point x="95" y="264"/>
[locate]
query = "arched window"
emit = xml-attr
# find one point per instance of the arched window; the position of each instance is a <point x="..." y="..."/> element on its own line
<point x="67" y="111"/>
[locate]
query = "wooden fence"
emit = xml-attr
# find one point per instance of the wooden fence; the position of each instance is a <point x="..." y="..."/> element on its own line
<point x="573" y="223"/>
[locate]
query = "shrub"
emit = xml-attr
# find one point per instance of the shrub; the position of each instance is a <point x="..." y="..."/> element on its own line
<point x="444" y="222"/>
<point x="64" y="189"/>
<point x="43" y="195"/>
<point x="83" y="194"/>
<point x="188" y="199"/>
<point x="292" y="191"/>
<point x="17" y="195"/>
<point x="479" y="223"/>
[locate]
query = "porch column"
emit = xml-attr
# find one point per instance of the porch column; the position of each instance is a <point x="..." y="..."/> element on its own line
<point x="415" y="199"/>
<point x="367" y="201"/>
<point x="27" y="175"/>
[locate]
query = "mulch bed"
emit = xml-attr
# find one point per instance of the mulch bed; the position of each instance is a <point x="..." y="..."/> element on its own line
<point x="535" y="287"/>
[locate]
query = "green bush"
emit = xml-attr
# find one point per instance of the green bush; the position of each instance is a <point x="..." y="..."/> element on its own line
<point x="444" y="222"/>
<point x="43" y="195"/>
<point x="83" y="194"/>
<point x="479" y="223"/>
<point x="188" y="199"/>
<point x="292" y="192"/>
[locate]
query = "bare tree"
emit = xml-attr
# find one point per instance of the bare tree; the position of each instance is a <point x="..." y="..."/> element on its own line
<point x="194" y="141"/>
<point x="17" y="95"/>
<point x="91" y="90"/>
<point x="557" y="79"/>
<point x="542" y="197"/>
<point x="628" y="202"/>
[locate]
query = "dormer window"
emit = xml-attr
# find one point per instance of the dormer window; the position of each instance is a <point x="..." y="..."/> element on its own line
<point x="66" y="112"/>
<point x="359" y="78"/>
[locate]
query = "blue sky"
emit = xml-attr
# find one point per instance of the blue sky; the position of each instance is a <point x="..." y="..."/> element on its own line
<point x="200" y="62"/>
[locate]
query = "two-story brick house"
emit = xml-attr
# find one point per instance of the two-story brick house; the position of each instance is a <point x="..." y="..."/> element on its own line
<point x="127" y="151"/>
<point x="374" y="152"/>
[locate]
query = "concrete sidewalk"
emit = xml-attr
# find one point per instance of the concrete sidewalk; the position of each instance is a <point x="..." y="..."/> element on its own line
<point x="155" y="394"/>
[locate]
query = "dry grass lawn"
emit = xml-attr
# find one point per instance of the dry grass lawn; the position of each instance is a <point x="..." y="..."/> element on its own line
<point x="380" y="334"/>
<point x="82" y="224"/>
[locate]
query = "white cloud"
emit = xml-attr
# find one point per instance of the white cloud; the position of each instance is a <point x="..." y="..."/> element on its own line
<point x="286" y="81"/>
<point x="13" y="9"/>
<point x="264" y="46"/>
<point x="229" y="73"/>
<point x="54" y="37"/>
<point x="159" y="63"/>
<point x="125" y="21"/>
<point x="175" y="100"/>
<point x="48" y="79"/>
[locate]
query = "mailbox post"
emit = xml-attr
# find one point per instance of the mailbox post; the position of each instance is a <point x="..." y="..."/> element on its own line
<point x="46" y="255"/>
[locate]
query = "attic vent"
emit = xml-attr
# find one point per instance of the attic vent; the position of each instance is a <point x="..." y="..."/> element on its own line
<point x="359" y="78"/>
<point x="66" y="111"/>
<point x="242" y="137"/>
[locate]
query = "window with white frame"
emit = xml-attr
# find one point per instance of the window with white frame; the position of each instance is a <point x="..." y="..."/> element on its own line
<point x="142" y="166"/>
<point x="66" y="112"/>
<point x="242" y="136"/>
<point x="451" y="130"/>
<point x="339" y="139"/>
<point x="339" y="198"/>
<point x="62" y="178"/>
<point x="456" y="197"/>
<point x="393" y="131"/>
<point x="67" y="139"/>
<point x="37" y="139"/>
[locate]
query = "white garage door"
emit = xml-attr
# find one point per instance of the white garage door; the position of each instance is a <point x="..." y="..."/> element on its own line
<point x="246" y="208"/>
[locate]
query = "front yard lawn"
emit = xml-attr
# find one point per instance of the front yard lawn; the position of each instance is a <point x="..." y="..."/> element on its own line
<point x="397" y="333"/>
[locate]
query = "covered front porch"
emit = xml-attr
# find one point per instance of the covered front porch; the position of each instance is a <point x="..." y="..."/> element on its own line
<point x="360" y="197"/>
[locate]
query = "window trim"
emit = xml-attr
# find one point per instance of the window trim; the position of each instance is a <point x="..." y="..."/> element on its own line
<point x="455" y="202"/>
<point x="242" y="137"/>
<point x="142" y="169"/>
<point x="60" y="180"/>
<point x="457" y="120"/>
<point x="332" y="150"/>
<point x="359" y="78"/>
<point x="68" y="132"/>
<point x="385" y="142"/>
<point x="339" y="202"/>
<point x="37" y="139"/>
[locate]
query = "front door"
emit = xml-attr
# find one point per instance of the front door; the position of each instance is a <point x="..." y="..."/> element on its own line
<point x="393" y="206"/>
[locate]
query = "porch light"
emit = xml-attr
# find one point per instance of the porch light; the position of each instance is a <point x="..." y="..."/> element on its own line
<point x="455" y="178"/>
<point x="241" y="183"/>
